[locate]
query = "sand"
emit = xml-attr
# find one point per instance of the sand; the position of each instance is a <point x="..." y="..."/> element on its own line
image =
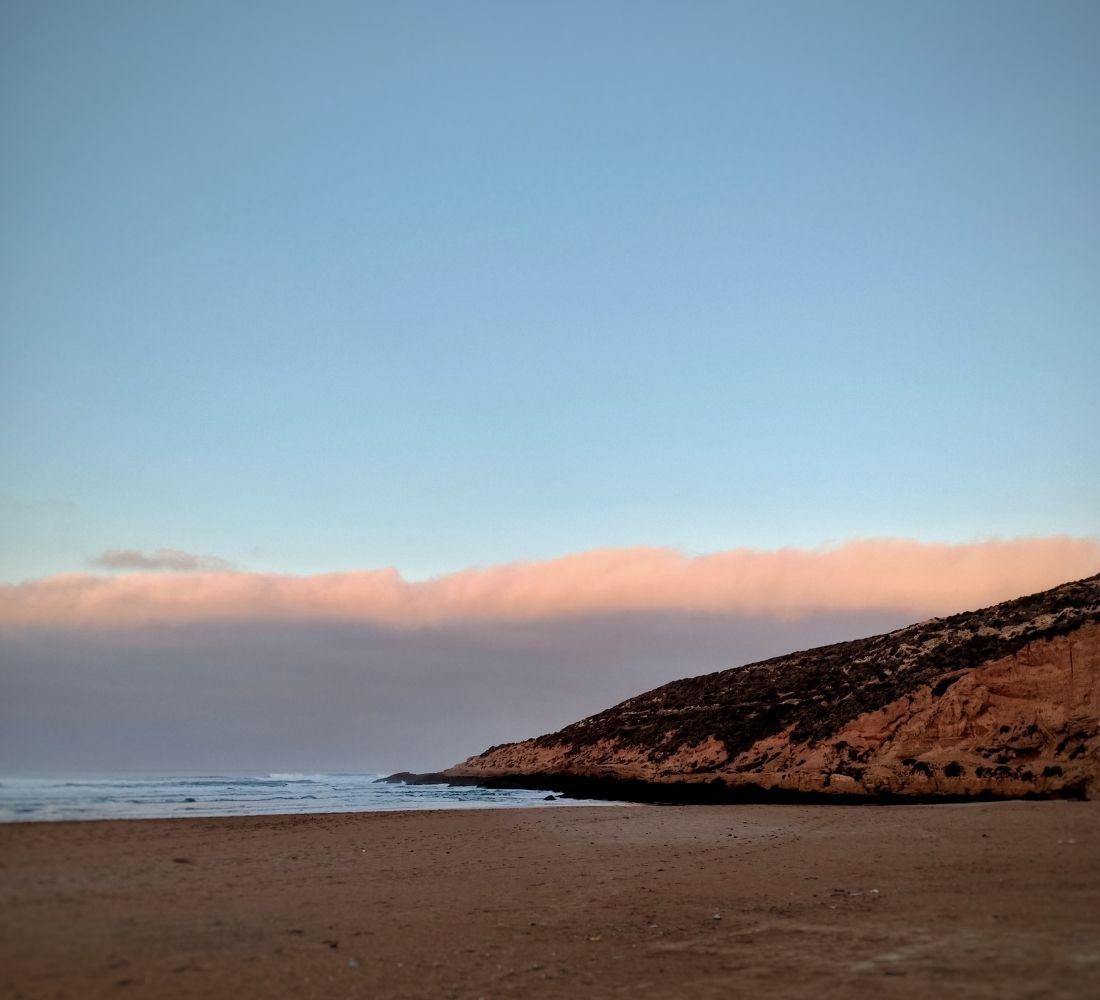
<point x="997" y="900"/>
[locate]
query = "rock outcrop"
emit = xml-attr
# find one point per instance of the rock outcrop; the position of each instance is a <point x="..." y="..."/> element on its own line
<point x="1000" y="702"/>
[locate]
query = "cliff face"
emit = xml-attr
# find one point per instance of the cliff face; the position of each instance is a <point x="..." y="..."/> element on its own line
<point x="1003" y="701"/>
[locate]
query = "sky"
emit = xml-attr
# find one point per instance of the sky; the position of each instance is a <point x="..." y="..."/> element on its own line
<point x="311" y="310"/>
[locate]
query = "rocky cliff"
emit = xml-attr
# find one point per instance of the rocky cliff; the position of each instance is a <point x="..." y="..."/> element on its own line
<point x="1004" y="701"/>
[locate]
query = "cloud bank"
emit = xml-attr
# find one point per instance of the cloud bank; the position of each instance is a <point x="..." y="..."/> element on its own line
<point x="919" y="578"/>
<point x="233" y="697"/>
<point x="235" y="671"/>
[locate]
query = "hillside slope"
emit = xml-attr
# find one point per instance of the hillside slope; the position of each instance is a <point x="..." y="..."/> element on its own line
<point x="1004" y="701"/>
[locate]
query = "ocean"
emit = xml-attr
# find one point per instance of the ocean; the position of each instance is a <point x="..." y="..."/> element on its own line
<point x="168" y="796"/>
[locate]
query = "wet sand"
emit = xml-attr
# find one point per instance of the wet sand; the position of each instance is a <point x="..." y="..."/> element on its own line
<point x="997" y="900"/>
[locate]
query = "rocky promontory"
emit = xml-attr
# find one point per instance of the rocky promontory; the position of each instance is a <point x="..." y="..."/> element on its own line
<point x="1001" y="702"/>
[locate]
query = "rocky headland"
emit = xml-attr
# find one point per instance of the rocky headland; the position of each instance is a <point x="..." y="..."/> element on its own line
<point x="1003" y="702"/>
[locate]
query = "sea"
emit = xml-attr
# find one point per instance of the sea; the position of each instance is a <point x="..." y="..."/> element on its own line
<point x="169" y="796"/>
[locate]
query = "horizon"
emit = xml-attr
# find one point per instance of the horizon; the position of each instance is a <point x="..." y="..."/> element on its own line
<point x="484" y="704"/>
<point x="109" y="774"/>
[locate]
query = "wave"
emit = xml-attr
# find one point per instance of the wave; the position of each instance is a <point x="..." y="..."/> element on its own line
<point x="135" y="797"/>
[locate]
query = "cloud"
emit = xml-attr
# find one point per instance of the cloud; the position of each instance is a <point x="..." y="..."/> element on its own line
<point x="235" y="671"/>
<point x="229" y="697"/>
<point x="919" y="578"/>
<point x="172" y="560"/>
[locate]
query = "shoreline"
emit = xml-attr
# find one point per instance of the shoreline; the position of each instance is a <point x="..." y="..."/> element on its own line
<point x="566" y="803"/>
<point x="716" y="791"/>
<point x="601" y="901"/>
<point x="122" y="797"/>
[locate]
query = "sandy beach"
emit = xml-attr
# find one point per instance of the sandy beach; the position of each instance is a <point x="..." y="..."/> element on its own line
<point x="991" y="900"/>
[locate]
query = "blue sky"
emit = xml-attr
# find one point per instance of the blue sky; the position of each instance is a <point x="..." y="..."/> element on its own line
<point x="332" y="285"/>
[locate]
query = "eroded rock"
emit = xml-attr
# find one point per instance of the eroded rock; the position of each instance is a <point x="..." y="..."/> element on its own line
<point x="1004" y="701"/>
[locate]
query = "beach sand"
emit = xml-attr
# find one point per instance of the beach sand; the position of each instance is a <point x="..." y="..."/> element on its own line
<point x="992" y="900"/>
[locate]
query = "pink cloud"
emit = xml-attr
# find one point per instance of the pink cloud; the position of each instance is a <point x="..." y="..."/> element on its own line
<point x="885" y="574"/>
